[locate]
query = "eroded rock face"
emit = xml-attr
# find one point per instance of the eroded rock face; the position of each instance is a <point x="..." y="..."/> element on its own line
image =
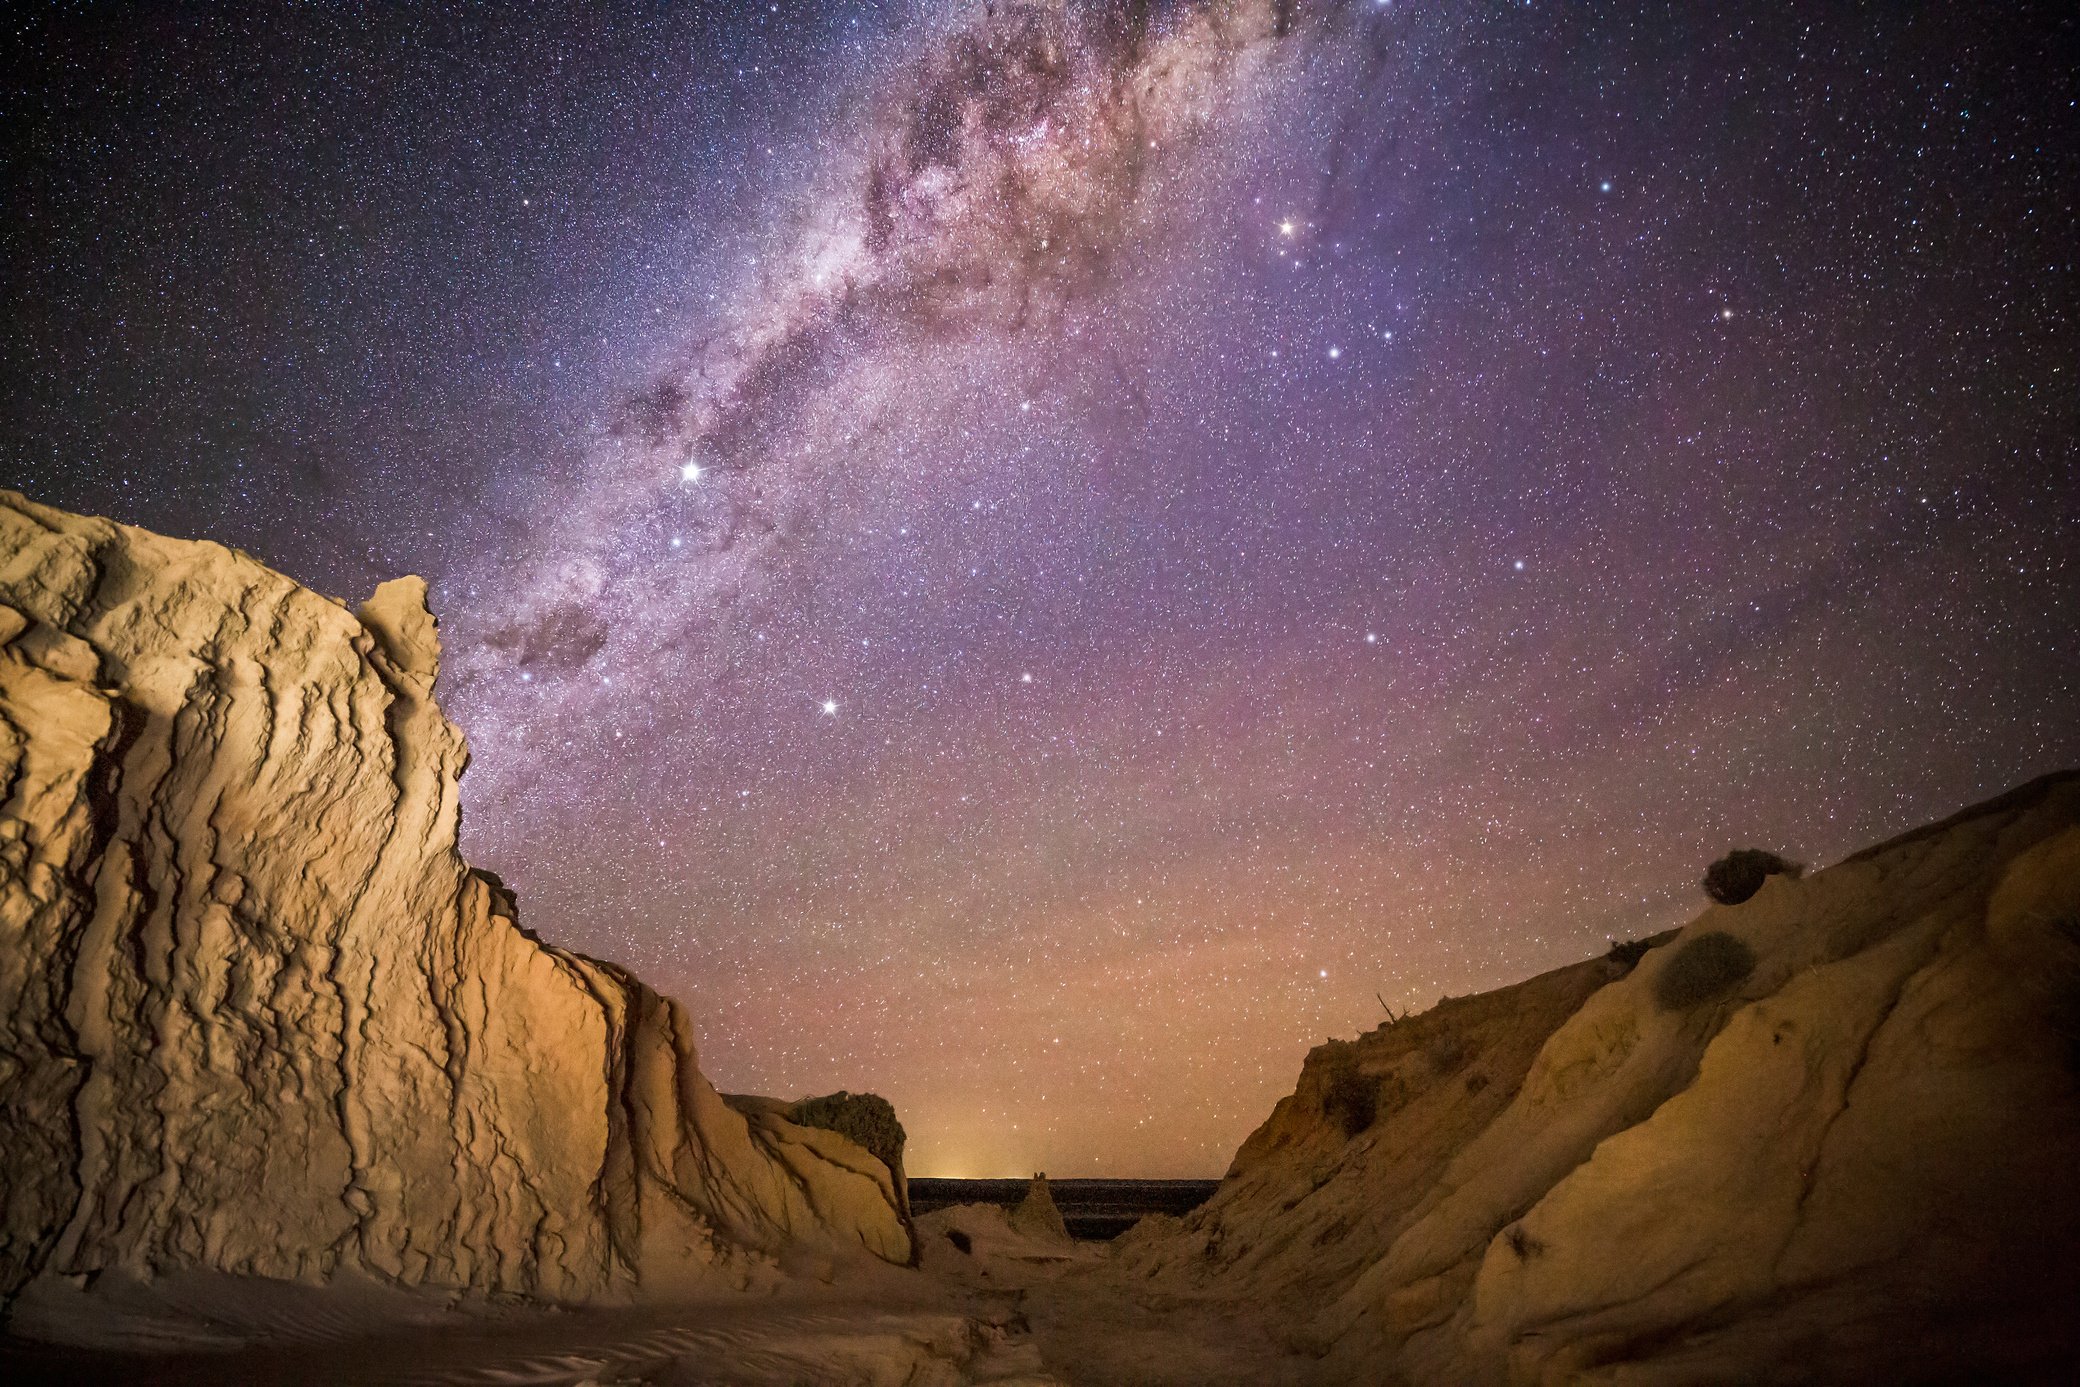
<point x="1036" y="1216"/>
<point x="257" y="1016"/>
<point x="1849" y="1158"/>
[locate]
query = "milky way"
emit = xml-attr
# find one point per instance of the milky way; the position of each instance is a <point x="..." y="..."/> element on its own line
<point x="1041" y="559"/>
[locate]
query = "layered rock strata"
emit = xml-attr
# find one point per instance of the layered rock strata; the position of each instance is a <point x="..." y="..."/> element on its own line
<point x="258" y="1017"/>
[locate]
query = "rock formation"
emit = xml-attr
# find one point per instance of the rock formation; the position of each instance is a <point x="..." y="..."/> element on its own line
<point x="256" y="1015"/>
<point x="1036" y="1218"/>
<point x="1829" y="1134"/>
<point x="866" y="1119"/>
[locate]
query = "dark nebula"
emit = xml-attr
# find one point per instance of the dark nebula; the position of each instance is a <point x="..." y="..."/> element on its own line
<point x="1032" y="558"/>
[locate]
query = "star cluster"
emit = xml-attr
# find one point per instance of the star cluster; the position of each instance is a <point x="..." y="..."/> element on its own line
<point x="1041" y="558"/>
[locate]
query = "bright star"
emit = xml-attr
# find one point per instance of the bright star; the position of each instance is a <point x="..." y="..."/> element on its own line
<point x="1372" y="638"/>
<point x="1520" y="565"/>
<point x="1335" y="353"/>
<point x="830" y="707"/>
<point x="1285" y="228"/>
<point x="1025" y="678"/>
<point x="691" y="472"/>
<point x="1603" y="187"/>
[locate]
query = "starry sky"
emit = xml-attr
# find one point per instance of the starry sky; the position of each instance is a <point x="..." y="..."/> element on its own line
<point x="1041" y="559"/>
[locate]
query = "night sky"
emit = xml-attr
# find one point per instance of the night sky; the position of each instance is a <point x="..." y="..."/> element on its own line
<point x="1041" y="561"/>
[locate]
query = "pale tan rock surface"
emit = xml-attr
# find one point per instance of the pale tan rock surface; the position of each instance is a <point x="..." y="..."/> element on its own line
<point x="1857" y="1162"/>
<point x="965" y="1238"/>
<point x="257" y="1016"/>
<point x="1036" y="1216"/>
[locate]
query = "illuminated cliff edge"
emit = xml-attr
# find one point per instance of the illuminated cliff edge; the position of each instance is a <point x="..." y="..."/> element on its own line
<point x="257" y="1016"/>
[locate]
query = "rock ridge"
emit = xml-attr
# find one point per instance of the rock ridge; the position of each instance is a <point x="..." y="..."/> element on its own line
<point x="257" y="1017"/>
<point x="1842" y="1151"/>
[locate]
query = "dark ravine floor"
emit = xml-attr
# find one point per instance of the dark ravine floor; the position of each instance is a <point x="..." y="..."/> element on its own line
<point x="921" y="1337"/>
<point x="1060" y="1322"/>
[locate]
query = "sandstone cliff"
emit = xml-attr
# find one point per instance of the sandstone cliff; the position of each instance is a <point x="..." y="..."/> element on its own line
<point x="1827" y="1135"/>
<point x="256" y="1015"/>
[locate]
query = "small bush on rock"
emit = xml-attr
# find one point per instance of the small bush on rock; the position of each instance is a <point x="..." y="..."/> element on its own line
<point x="1349" y="1098"/>
<point x="1627" y="953"/>
<point x="1740" y="874"/>
<point x="1708" y="966"/>
<point x="1350" y="1102"/>
<point x="866" y="1118"/>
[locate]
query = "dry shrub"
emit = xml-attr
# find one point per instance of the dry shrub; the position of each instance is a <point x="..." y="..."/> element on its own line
<point x="1740" y="874"/>
<point x="1349" y="1098"/>
<point x="1627" y="953"/>
<point x="866" y="1118"/>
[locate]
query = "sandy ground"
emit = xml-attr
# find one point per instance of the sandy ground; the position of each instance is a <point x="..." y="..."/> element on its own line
<point x="1008" y="1312"/>
<point x="1090" y="1325"/>
<point x="830" y="1338"/>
